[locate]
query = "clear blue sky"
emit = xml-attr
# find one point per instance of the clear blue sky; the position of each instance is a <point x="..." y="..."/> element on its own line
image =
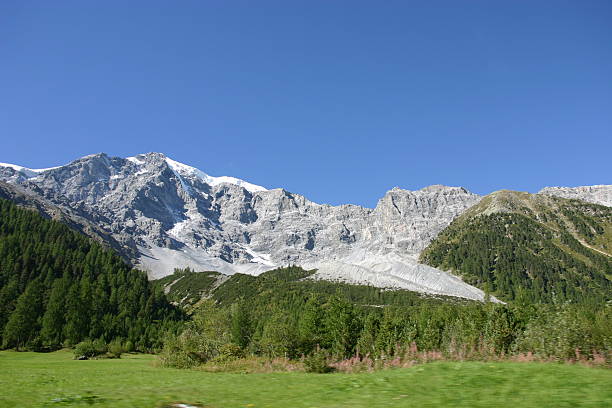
<point x="336" y="100"/>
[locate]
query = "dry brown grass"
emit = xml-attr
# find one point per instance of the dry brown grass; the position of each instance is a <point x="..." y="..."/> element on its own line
<point x="403" y="357"/>
<point x="253" y="364"/>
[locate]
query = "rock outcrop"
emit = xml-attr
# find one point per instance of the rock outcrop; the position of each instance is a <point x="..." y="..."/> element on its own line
<point x="600" y="194"/>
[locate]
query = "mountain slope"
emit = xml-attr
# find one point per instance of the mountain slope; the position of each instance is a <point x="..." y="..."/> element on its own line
<point x="187" y="288"/>
<point x="57" y="287"/>
<point x="534" y="247"/>
<point x="177" y="216"/>
<point x="62" y="212"/>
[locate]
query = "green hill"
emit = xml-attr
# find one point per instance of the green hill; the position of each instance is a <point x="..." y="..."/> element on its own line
<point x="530" y="247"/>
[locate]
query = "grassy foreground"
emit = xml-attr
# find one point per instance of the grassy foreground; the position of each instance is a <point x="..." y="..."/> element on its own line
<point x="55" y="380"/>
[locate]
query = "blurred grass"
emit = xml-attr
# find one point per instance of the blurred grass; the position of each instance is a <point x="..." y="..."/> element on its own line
<point x="55" y="380"/>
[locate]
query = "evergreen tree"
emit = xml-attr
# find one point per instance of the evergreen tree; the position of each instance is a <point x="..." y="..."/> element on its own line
<point x="341" y="326"/>
<point x="310" y="326"/>
<point x="278" y="338"/>
<point x="53" y="319"/>
<point x="241" y="325"/>
<point x="24" y="323"/>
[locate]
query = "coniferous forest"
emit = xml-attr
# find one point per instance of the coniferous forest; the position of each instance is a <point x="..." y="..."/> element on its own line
<point x="531" y="256"/>
<point x="492" y="254"/>
<point x="283" y="314"/>
<point x="58" y="287"/>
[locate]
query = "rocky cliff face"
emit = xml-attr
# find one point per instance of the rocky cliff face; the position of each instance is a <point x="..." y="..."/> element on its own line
<point x="601" y="194"/>
<point x="176" y="216"/>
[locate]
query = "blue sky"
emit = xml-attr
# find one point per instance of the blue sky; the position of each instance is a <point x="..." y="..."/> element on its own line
<point x="336" y="100"/>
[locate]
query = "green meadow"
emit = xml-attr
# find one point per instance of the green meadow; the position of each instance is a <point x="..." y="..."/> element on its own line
<point x="56" y="380"/>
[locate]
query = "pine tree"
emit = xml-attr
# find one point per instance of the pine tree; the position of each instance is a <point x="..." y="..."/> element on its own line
<point x="241" y="325"/>
<point x="278" y="338"/>
<point x="8" y="298"/>
<point x="310" y="326"/>
<point x="53" y="319"/>
<point x="24" y="323"/>
<point x="341" y="326"/>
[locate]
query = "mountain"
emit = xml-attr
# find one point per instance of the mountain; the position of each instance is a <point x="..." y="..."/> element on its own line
<point x="601" y="194"/>
<point x="162" y="214"/>
<point x="534" y="247"/>
<point x="173" y="215"/>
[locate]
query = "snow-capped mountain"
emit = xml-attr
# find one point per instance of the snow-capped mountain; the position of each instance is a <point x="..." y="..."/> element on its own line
<point x="21" y="173"/>
<point x="174" y="215"/>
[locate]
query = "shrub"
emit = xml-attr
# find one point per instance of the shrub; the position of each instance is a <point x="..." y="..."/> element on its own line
<point x="230" y="351"/>
<point x="115" y="348"/>
<point x="89" y="349"/>
<point x="279" y="337"/>
<point x="565" y="332"/>
<point x="128" y="347"/>
<point x="201" y="341"/>
<point x="317" y="363"/>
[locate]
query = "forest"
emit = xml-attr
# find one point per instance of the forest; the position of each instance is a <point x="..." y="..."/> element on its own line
<point x="58" y="288"/>
<point x="519" y="257"/>
<point x="283" y="314"/>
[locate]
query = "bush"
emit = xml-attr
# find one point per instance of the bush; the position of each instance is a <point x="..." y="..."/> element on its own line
<point x="179" y="351"/>
<point x="279" y="337"/>
<point x="128" y="347"/>
<point x="201" y="341"/>
<point x="115" y="348"/>
<point x="229" y="352"/>
<point x="565" y="332"/>
<point x="317" y="363"/>
<point x="89" y="349"/>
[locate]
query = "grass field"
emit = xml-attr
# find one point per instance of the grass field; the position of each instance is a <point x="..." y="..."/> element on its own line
<point x="55" y="380"/>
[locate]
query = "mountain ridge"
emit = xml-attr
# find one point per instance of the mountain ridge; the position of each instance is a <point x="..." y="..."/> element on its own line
<point x="173" y="215"/>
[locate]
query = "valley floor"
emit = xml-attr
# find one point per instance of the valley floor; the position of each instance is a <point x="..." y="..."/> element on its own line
<point x="54" y="380"/>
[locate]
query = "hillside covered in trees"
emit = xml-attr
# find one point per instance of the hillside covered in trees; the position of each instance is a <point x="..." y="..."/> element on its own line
<point x="58" y="287"/>
<point x="282" y="313"/>
<point x="186" y="288"/>
<point x="530" y="247"/>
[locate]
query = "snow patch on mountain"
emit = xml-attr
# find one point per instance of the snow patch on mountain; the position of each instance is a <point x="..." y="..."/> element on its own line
<point x="135" y="160"/>
<point x="26" y="171"/>
<point x="188" y="171"/>
<point x="154" y="257"/>
<point x="258" y="257"/>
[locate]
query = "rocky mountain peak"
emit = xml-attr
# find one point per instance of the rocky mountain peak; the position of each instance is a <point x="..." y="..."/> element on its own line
<point x="598" y="194"/>
<point x="439" y="188"/>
